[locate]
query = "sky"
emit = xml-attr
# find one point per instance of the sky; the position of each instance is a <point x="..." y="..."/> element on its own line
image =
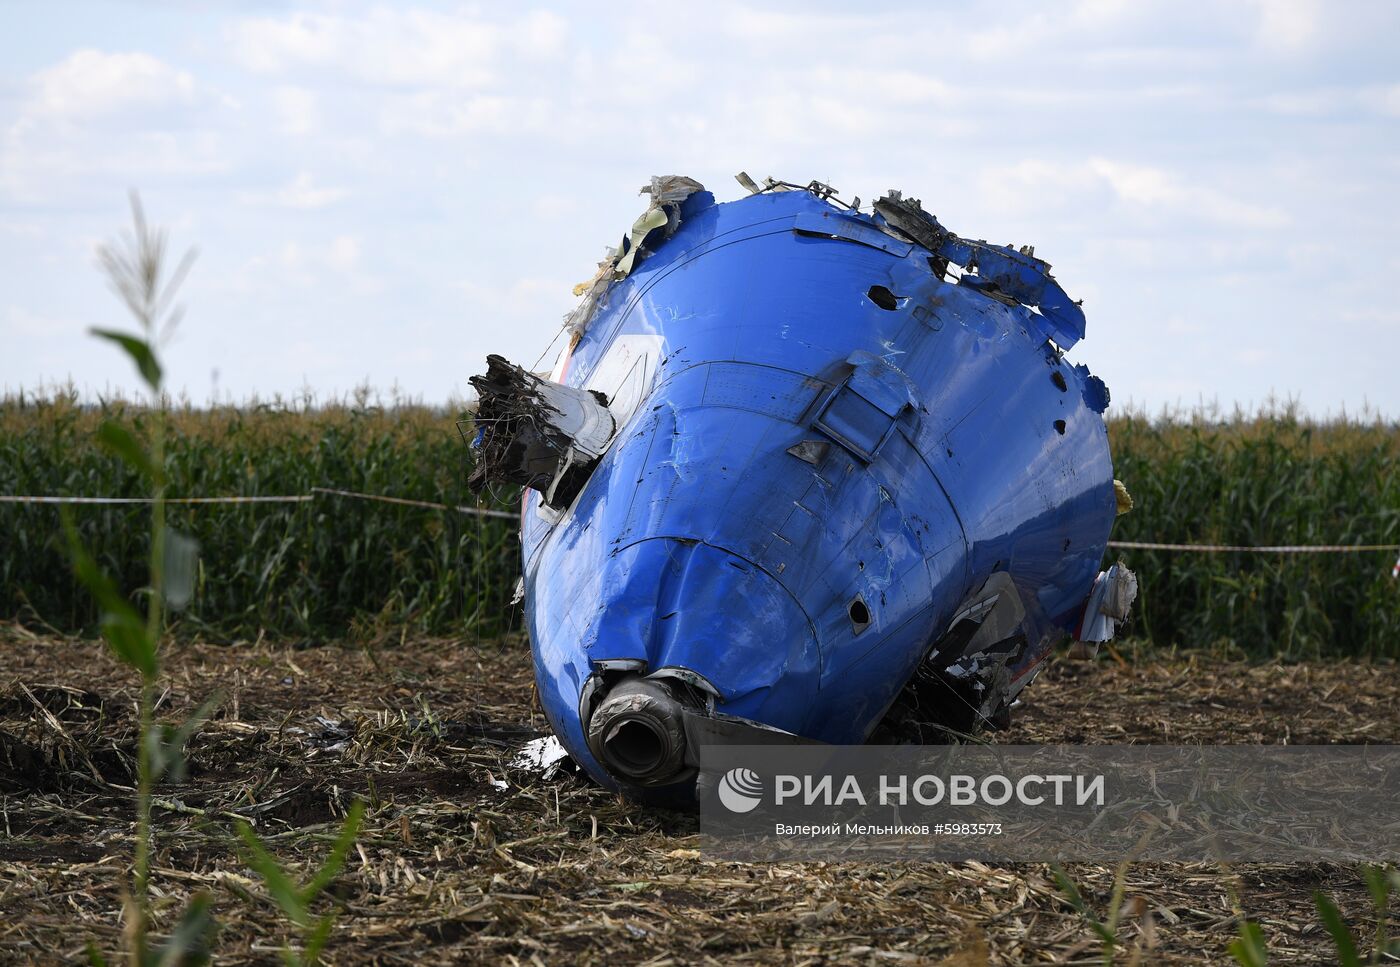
<point x="382" y="194"/>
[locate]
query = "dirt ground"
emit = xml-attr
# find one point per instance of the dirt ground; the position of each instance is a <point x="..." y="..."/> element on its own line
<point x="464" y="858"/>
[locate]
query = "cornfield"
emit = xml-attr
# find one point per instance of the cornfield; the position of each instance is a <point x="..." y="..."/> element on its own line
<point x="333" y="567"/>
<point x="326" y="568"/>
<point x="1269" y="478"/>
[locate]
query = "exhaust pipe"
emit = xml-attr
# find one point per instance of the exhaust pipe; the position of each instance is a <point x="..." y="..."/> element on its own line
<point x="637" y="732"/>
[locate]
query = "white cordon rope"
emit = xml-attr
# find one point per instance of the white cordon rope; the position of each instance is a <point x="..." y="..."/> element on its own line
<point x="7" y="499"/>
<point x="384" y="498"/>
<point x="280" y="499"/>
<point x="1256" y="549"/>
<point x="507" y="515"/>
<point x="1264" y="549"/>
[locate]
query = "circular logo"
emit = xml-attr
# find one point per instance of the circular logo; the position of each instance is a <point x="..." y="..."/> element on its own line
<point x="740" y="790"/>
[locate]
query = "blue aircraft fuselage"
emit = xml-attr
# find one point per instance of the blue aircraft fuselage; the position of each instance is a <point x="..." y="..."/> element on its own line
<point x="824" y="447"/>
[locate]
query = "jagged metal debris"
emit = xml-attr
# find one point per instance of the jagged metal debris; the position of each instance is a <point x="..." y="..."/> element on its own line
<point x="658" y="223"/>
<point x="998" y="270"/>
<point x="536" y="433"/>
<point x="545" y="756"/>
<point x="817" y="189"/>
<point x="1112" y="597"/>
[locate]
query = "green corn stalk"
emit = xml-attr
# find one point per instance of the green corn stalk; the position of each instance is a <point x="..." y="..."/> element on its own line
<point x="1106" y="928"/>
<point x="1250" y="950"/>
<point x="135" y="271"/>
<point x="295" y="899"/>
<point x="1379" y="884"/>
<point x="1347" y="955"/>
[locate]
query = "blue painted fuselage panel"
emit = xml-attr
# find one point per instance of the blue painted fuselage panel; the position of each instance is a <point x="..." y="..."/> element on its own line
<point x="700" y="542"/>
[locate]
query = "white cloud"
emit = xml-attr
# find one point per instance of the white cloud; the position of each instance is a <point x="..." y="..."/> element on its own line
<point x="96" y="114"/>
<point x="760" y="27"/>
<point x="412" y="47"/>
<point x="1324" y="102"/>
<point x="20" y="322"/>
<point x="1313" y="103"/>
<point x="340" y="254"/>
<point x="541" y="34"/>
<point x="302" y="193"/>
<point x="1374" y="321"/>
<point x="552" y="207"/>
<point x="269" y="45"/>
<point x="537" y="297"/>
<point x="1182" y="326"/>
<point x="449" y="114"/>
<point x="1389" y="100"/>
<point x="1138" y="184"/>
<point x="314" y="266"/>
<point x="874" y="88"/>
<point x="1152" y="187"/>
<point x="1287" y="26"/>
<point x="395" y="47"/>
<point x="1033" y="185"/>
<point x="297" y="109"/>
<point x="89" y="82"/>
<point x="343" y="253"/>
<point x="41" y="166"/>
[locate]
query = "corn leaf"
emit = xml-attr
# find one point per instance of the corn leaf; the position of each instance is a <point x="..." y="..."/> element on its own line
<point x="140" y="352"/>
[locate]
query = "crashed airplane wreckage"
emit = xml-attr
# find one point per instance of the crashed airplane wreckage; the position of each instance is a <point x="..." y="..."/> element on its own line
<point x="801" y="474"/>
